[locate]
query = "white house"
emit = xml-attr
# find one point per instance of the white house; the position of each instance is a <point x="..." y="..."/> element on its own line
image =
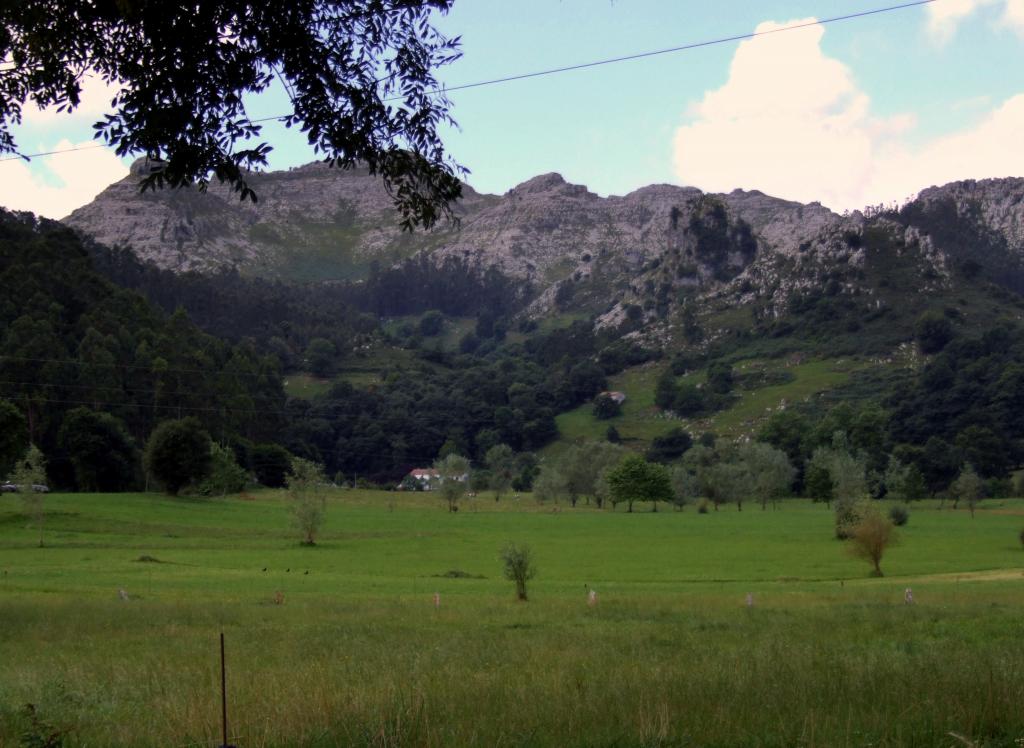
<point x="429" y="478"/>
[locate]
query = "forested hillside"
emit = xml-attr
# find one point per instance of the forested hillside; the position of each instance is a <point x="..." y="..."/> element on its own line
<point x="891" y="335"/>
<point x="73" y="340"/>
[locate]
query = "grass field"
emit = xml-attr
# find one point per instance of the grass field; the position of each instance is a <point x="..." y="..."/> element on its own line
<point x="305" y="386"/>
<point x="357" y="654"/>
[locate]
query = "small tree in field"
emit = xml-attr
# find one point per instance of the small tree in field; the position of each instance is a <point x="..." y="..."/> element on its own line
<point x="307" y="495"/>
<point x="29" y="472"/>
<point x="967" y="487"/>
<point x="635" y="479"/>
<point x="870" y="537"/>
<point x="501" y="461"/>
<point x="519" y="568"/>
<point x="453" y="471"/>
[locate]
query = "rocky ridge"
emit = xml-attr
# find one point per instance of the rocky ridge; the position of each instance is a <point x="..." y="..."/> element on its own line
<point x="539" y="230"/>
<point x="659" y="249"/>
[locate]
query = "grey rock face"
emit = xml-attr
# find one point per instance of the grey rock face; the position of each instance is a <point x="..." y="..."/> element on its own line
<point x="543" y="229"/>
<point x="316" y="223"/>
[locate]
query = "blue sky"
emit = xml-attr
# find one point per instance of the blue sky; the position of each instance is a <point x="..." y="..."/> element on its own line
<point x="853" y="113"/>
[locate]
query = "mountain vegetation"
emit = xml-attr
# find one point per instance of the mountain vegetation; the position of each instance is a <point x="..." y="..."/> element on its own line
<point x="886" y="342"/>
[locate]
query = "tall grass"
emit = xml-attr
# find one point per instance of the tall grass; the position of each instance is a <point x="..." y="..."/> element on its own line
<point x="358" y="655"/>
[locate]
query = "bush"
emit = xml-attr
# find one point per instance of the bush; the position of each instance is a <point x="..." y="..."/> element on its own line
<point x="899" y="515"/>
<point x="606" y="407"/>
<point x="1022" y="537"/>
<point x="519" y="567"/>
<point x="307" y="498"/>
<point x="178" y="453"/>
<point x="870" y="538"/>
<point x="225" y="477"/>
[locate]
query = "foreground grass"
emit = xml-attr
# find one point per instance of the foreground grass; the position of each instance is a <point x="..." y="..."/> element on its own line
<point x="358" y="655"/>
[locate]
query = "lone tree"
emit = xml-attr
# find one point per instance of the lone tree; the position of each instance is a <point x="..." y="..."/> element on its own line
<point x="359" y="75"/>
<point x="501" y="461"/>
<point x="307" y="495"/>
<point x="453" y="472"/>
<point x="178" y="453"/>
<point x="519" y="568"/>
<point x="29" y="476"/>
<point x="968" y="488"/>
<point x="870" y="537"/>
<point x="635" y="479"/>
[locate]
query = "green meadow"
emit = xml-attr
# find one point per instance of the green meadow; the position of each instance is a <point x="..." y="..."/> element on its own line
<point x="341" y="644"/>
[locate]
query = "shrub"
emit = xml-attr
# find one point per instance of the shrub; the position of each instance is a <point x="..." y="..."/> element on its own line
<point x="178" y="453"/>
<point x="307" y="499"/>
<point x="870" y="537"/>
<point x="225" y="476"/>
<point x="606" y="407"/>
<point x="899" y="515"/>
<point x="519" y="567"/>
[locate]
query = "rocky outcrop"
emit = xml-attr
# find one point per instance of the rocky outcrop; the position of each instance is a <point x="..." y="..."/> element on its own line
<point x="657" y="247"/>
<point x="544" y="229"/>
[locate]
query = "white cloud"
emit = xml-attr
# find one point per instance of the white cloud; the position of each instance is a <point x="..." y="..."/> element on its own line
<point x="76" y="178"/>
<point x="94" y="101"/>
<point x="1013" y="15"/>
<point x="946" y="15"/>
<point x="792" y="122"/>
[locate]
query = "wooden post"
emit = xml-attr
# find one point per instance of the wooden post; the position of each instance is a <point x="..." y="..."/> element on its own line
<point x="223" y="697"/>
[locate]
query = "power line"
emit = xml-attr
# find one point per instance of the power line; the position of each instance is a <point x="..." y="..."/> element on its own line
<point x="687" y="47"/>
<point x="53" y="153"/>
<point x="583" y="65"/>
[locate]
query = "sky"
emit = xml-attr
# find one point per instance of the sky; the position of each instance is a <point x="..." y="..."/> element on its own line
<point x="850" y="114"/>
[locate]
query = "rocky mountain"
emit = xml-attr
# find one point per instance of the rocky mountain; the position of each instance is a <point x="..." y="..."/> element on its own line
<point x="663" y="262"/>
<point x="318" y="223"/>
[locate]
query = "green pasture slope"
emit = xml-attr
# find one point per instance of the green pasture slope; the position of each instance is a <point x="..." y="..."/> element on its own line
<point x="357" y="654"/>
<point x="641" y="420"/>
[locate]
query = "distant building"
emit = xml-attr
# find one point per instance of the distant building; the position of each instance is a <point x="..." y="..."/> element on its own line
<point x="619" y="397"/>
<point x="427" y="478"/>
